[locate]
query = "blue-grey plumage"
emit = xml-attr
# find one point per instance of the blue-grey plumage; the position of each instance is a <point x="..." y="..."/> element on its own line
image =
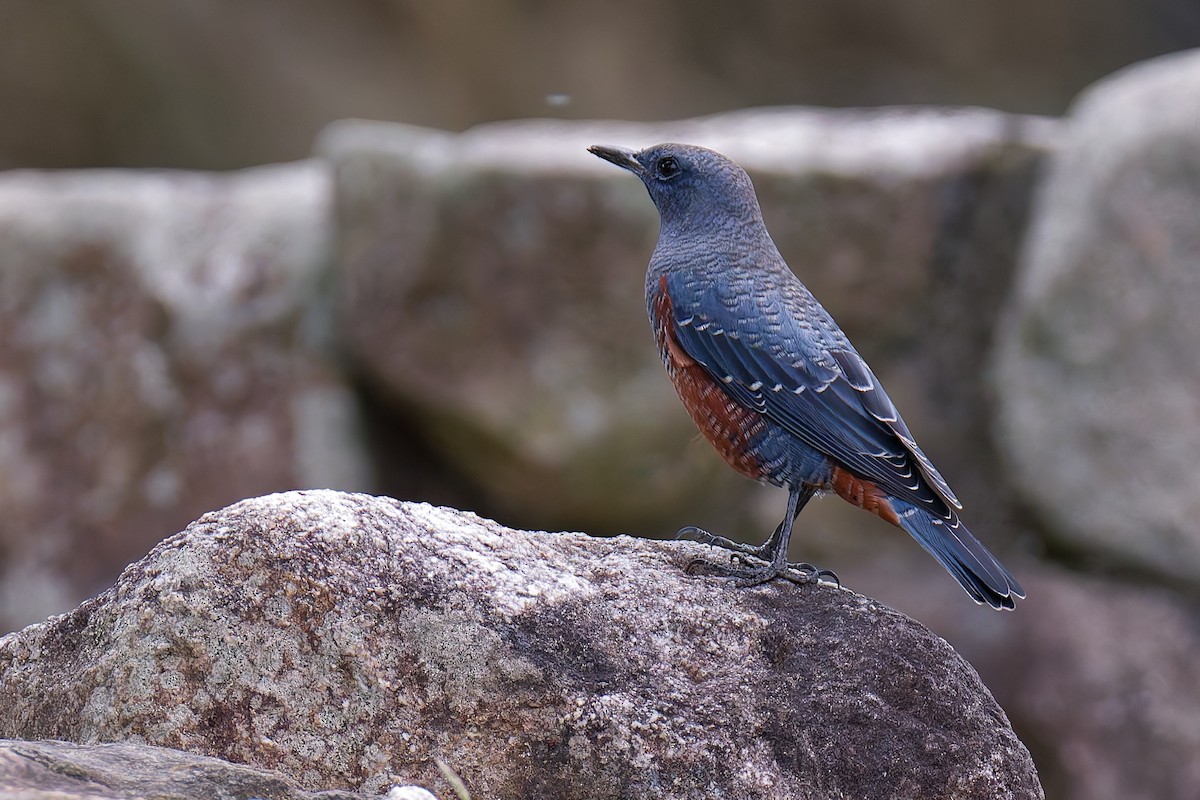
<point x="773" y="382"/>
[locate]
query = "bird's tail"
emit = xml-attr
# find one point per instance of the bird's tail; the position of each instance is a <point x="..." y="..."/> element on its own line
<point x="963" y="556"/>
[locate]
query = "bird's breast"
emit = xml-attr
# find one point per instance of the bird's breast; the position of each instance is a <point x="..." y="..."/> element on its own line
<point x="730" y="427"/>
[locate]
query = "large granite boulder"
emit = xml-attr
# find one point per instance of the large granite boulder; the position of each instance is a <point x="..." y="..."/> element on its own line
<point x="348" y="641"/>
<point x="492" y="295"/>
<point x="164" y="350"/>
<point x="1097" y="373"/>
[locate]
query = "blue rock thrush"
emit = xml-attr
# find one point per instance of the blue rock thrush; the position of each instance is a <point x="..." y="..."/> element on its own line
<point x="772" y="381"/>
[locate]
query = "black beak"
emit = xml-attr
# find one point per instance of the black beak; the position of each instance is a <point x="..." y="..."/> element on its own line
<point x="625" y="159"/>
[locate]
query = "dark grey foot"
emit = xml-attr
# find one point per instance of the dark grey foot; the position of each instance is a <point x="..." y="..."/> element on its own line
<point x="704" y="537"/>
<point x="745" y="575"/>
<point x="816" y="573"/>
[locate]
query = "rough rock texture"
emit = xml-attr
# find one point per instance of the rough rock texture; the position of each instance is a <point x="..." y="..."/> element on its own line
<point x="127" y="771"/>
<point x="346" y="641"/>
<point x="503" y="268"/>
<point x="162" y="353"/>
<point x="1099" y="368"/>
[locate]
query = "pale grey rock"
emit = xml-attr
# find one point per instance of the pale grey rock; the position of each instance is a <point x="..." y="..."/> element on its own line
<point x="346" y="641"/>
<point x="164" y="350"/>
<point x="1097" y="372"/>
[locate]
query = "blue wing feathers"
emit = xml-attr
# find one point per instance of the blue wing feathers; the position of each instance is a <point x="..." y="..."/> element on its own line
<point x="827" y="398"/>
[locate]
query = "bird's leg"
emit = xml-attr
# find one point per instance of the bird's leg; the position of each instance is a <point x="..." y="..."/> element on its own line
<point x="773" y="551"/>
<point x="764" y="551"/>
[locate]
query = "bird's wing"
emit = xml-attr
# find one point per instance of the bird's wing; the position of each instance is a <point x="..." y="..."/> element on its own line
<point x="824" y="394"/>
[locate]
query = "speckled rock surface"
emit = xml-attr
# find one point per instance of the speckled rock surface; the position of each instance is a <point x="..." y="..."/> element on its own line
<point x="346" y="641"/>
<point x="126" y="771"/>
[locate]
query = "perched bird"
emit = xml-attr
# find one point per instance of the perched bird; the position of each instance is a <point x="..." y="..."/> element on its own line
<point x="772" y="381"/>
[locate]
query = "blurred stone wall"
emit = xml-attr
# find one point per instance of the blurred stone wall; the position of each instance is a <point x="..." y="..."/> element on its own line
<point x="232" y="83"/>
<point x="164" y="349"/>
<point x="458" y="317"/>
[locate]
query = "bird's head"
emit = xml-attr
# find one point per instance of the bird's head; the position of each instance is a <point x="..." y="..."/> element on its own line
<point x="691" y="186"/>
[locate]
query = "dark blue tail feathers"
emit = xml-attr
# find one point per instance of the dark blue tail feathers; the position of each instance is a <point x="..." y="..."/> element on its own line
<point x="963" y="556"/>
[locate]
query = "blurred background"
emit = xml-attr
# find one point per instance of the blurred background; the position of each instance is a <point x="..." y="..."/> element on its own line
<point x="253" y="297"/>
<point x="220" y="85"/>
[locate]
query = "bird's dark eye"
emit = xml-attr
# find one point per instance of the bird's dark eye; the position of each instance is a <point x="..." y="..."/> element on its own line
<point x="666" y="168"/>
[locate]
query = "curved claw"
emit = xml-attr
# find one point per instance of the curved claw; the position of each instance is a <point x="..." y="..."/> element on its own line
<point x="815" y="573"/>
<point x="700" y="566"/>
<point x="829" y="575"/>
